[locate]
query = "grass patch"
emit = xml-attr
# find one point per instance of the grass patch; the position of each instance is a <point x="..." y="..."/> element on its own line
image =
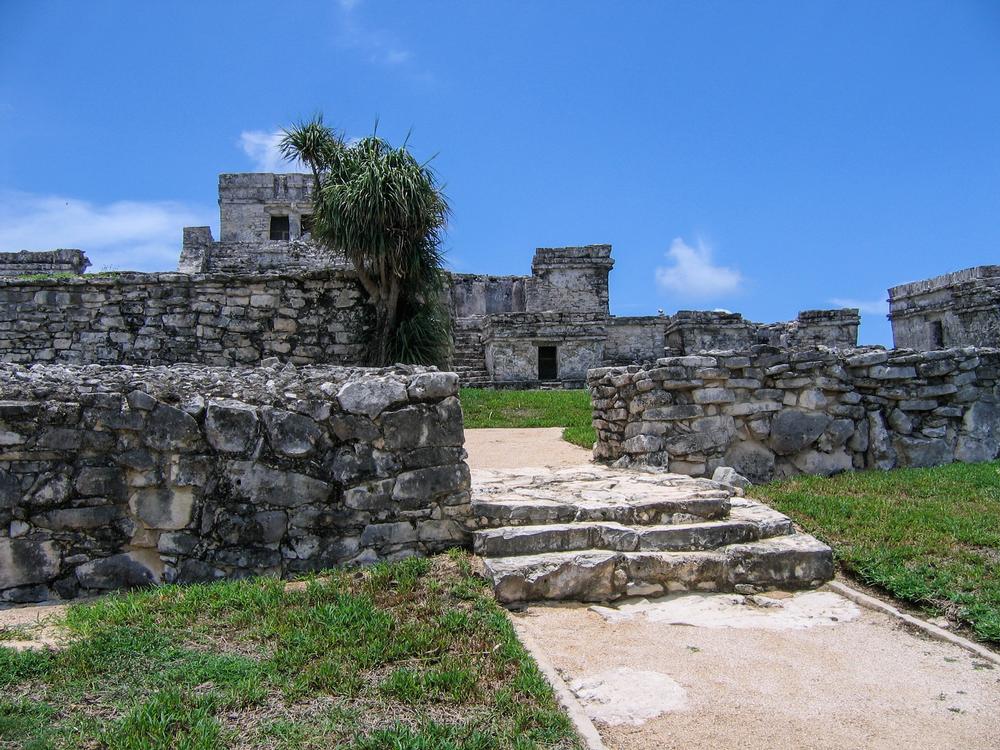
<point x="57" y="275"/>
<point x="415" y="654"/>
<point x="927" y="536"/>
<point x="569" y="409"/>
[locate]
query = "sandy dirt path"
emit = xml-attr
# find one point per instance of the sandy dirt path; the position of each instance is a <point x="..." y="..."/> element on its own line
<point x="504" y="448"/>
<point x="862" y="683"/>
<point x="854" y="680"/>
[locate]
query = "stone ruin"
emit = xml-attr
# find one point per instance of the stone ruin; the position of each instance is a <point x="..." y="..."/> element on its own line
<point x="27" y="262"/>
<point x="118" y="476"/>
<point x="957" y="309"/>
<point x="213" y="422"/>
<point x="550" y="328"/>
<point x="771" y="414"/>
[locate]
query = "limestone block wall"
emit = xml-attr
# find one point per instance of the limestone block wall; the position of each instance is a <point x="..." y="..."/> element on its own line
<point x="124" y="476"/>
<point x="570" y="279"/>
<point x="162" y="318"/>
<point x="511" y="343"/>
<point x="473" y="295"/>
<point x="43" y="261"/>
<point x="247" y="201"/>
<point x="772" y="414"/>
<point x="693" y="331"/>
<point x="200" y="253"/>
<point x="835" y="329"/>
<point x="956" y="309"/>
<point x="635" y="339"/>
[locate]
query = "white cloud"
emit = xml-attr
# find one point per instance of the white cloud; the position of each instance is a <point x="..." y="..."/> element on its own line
<point x="378" y="45"/>
<point x="262" y="148"/>
<point x="869" y="307"/>
<point x="123" y="235"/>
<point x="693" y="275"/>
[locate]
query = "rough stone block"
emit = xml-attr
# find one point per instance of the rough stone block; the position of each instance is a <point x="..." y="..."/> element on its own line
<point x="230" y="426"/>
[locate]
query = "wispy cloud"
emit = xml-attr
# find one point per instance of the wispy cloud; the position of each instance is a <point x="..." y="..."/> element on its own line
<point x="123" y="235"/>
<point x="262" y="148"/>
<point x="869" y="307"/>
<point x="377" y="45"/>
<point x="693" y="275"/>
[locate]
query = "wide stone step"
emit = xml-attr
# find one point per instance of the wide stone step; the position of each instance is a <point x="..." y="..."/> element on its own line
<point x="745" y="524"/>
<point x="786" y="562"/>
<point x="515" y="511"/>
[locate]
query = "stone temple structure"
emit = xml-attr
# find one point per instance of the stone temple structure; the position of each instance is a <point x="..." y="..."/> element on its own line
<point x="545" y="329"/>
<point x="956" y="309"/>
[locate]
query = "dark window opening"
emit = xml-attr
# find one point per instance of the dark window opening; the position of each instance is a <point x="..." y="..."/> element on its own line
<point x="548" y="365"/>
<point x="306" y="225"/>
<point x="937" y="334"/>
<point x="279" y="228"/>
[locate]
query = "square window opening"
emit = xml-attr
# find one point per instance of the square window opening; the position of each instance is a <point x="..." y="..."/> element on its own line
<point x="280" y="228"/>
<point x="548" y="363"/>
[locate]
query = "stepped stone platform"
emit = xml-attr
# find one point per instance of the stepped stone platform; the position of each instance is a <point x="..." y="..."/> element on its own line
<point x="593" y="533"/>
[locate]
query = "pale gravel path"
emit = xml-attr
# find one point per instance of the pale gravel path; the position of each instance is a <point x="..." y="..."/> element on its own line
<point x="865" y="683"/>
<point x="509" y="448"/>
<point x="862" y="683"/>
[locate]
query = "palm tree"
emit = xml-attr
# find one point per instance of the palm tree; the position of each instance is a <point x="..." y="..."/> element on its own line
<point x="385" y="211"/>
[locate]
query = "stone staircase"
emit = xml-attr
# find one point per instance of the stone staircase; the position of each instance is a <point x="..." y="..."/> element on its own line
<point x="591" y="533"/>
<point x="469" y="357"/>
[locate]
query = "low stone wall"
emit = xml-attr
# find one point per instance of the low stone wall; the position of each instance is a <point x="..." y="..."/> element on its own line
<point x="772" y="414"/>
<point x="43" y="261"/>
<point x="124" y="476"/>
<point x="635" y="339"/>
<point x="164" y="318"/>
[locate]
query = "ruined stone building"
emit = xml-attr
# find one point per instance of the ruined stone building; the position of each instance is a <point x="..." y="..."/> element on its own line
<point x="264" y="289"/>
<point x="956" y="309"/>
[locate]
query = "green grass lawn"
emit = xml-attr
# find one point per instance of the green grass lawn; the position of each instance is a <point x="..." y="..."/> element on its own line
<point x="413" y="655"/>
<point x="927" y="536"/>
<point x="569" y="409"/>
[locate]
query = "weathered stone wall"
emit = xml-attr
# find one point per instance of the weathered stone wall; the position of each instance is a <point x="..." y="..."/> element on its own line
<point x="43" y="261"/>
<point x="834" y="329"/>
<point x="772" y="414"/>
<point x="956" y="309"/>
<point x="693" y="331"/>
<point x="162" y="318"/>
<point x="511" y="345"/>
<point x="570" y="279"/>
<point x="473" y="295"/>
<point x="200" y="253"/>
<point x="634" y="339"/>
<point x="122" y="476"/>
<point x="248" y="200"/>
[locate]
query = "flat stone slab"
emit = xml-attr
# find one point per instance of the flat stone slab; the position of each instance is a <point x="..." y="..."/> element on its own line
<point x="791" y="561"/>
<point x="747" y="522"/>
<point x="594" y="493"/>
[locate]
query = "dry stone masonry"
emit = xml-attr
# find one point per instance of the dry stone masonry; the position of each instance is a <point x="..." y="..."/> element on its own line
<point x="957" y="309"/>
<point x="316" y="317"/>
<point x="115" y="477"/>
<point x="547" y="329"/>
<point x="769" y="413"/>
<point x="27" y="262"/>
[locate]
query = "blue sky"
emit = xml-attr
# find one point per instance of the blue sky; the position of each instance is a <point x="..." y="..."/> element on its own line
<point x="760" y="157"/>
